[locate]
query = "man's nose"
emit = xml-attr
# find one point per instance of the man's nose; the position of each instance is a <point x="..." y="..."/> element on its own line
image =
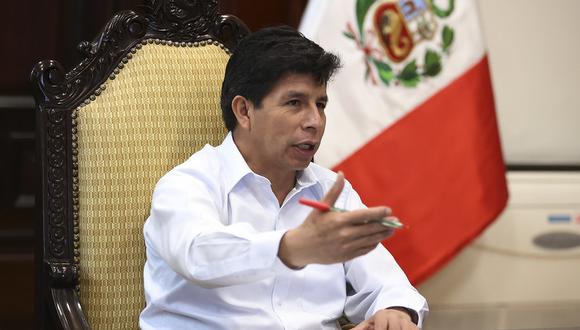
<point x="314" y="117"/>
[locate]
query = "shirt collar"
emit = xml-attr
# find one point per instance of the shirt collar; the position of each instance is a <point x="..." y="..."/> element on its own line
<point x="238" y="168"/>
<point x="306" y="178"/>
<point x="236" y="165"/>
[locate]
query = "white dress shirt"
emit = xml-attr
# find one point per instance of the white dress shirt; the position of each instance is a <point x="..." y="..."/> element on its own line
<point x="212" y="242"/>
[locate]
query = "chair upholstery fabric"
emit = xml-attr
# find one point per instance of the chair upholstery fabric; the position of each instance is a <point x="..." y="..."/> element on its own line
<point x="160" y="108"/>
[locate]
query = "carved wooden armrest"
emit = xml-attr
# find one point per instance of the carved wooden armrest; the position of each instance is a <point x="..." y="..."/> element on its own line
<point x="345" y="323"/>
<point x="63" y="278"/>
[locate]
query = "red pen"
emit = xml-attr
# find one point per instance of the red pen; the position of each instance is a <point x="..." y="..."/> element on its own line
<point x="392" y="223"/>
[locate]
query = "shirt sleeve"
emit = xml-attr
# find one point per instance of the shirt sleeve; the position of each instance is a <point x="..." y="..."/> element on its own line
<point x="185" y="230"/>
<point x="375" y="282"/>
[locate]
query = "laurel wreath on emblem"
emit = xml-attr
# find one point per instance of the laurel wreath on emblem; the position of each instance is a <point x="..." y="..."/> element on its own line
<point x="399" y="25"/>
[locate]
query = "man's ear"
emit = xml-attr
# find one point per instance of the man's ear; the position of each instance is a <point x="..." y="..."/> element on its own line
<point x="241" y="108"/>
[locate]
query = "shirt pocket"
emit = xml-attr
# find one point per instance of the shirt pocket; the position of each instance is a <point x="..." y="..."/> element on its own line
<point x="323" y="290"/>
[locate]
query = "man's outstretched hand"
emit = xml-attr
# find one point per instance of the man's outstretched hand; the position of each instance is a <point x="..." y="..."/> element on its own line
<point x="331" y="237"/>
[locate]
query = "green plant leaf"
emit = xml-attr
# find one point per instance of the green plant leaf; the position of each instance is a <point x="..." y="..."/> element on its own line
<point x="409" y="76"/>
<point x="447" y="36"/>
<point x="432" y="65"/>
<point x="348" y="35"/>
<point x="362" y="7"/>
<point x="442" y="13"/>
<point x="385" y="71"/>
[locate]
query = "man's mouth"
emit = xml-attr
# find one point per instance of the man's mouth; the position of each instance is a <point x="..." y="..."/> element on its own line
<point x="305" y="146"/>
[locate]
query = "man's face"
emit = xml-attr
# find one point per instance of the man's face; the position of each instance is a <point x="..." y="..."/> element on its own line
<point x="286" y="130"/>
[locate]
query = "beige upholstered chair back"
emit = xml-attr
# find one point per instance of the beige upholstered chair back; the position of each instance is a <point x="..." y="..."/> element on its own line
<point x="162" y="106"/>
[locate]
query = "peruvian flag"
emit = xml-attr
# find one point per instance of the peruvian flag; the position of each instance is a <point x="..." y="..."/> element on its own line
<point x="411" y="120"/>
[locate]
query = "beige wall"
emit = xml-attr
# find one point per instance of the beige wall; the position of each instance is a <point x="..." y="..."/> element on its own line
<point x="534" y="49"/>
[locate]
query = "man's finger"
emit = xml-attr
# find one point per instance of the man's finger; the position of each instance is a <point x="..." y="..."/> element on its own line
<point x="363" y="216"/>
<point x="332" y="194"/>
<point x="365" y="325"/>
<point x="371" y="234"/>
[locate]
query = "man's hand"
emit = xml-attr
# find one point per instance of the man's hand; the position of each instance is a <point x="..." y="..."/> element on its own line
<point x="388" y="319"/>
<point x="331" y="237"/>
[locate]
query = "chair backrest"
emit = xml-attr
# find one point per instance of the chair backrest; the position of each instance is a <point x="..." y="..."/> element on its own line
<point x="142" y="101"/>
<point x="162" y="107"/>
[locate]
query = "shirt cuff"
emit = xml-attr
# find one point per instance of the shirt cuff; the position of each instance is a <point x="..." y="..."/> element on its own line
<point x="411" y="312"/>
<point x="266" y="247"/>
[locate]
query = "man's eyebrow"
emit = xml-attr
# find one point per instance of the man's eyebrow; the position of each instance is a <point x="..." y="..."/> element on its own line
<point x="292" y="94"/>
<point x="297" y="94"/>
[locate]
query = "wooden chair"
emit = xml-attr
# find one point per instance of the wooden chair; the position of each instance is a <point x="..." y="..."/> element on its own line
<point x="143" y="99"/>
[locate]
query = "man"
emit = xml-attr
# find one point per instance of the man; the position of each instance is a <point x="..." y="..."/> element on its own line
<point x="228" y="244"/>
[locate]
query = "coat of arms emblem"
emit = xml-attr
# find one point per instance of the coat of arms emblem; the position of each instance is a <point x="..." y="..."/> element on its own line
<point x="389" y="31"/>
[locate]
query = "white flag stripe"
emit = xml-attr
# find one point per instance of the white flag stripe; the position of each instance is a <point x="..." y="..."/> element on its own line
<point x="357" y="116"/>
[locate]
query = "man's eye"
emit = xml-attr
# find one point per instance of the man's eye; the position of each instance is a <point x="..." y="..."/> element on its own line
<point x="293" y="103"/>
<point x="321" y="105"/>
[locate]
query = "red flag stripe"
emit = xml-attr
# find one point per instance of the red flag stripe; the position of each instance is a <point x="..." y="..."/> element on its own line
<point x="441" y="170"/>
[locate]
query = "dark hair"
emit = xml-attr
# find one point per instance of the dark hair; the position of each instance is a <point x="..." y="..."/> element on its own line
<point x="263" y="58"/>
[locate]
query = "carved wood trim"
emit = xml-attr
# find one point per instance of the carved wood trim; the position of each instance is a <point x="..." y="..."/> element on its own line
<point x="181" y="20"/>
<point x="191" y="21"/>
